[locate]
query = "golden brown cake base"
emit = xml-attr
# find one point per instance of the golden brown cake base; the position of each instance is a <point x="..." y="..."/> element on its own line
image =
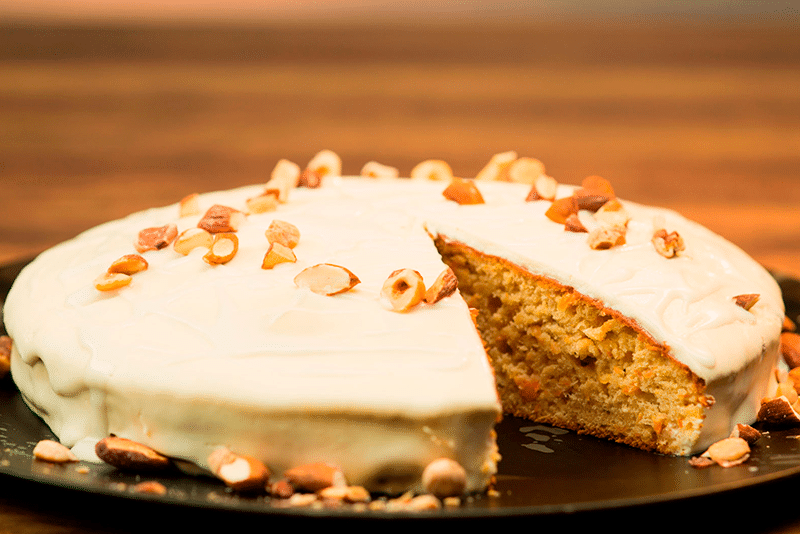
<point x="562" y="358"/>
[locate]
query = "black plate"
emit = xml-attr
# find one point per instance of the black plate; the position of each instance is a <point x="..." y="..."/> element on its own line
<point x="544" y="472"/>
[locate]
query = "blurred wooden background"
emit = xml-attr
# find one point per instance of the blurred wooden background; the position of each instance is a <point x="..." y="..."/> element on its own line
<point x="99" y="118"/>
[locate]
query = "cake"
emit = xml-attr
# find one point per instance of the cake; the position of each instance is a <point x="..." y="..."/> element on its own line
<point x="332" y="319"/>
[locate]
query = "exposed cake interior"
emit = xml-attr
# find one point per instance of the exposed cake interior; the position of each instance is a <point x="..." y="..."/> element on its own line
<point x="564" y="359"/>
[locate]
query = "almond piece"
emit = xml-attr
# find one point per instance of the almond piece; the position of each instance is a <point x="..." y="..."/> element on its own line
<point x="277" y="253"/>
<point x="596" y="185"/>
<point x="746" y="301"/>
<point x="778" y="411"/>
<point x="346" y="494"/>
<point x="150" y="487"/>
<point x="444" y="286"/>
<point x="463" y="191"/>
<point x="263" y="203"/>
<point x="373" y="169"/>
<point x="53" y="452"/>
<point x="746" y="432"/>
<point x="155" y="238"/>
<point x="283" y="232"/>
<point x="444" y="478"/>
<point x="497" y="167"/>
<point x="612" y="213"/>
<point x="666" y="244"/>
<point x="111" y="281"/>
<point x="315" y="477"/>
<point x="790" y="349"/>
<point x="526" y="171"/>
<point x="240" y="473"/>
<point x="543" y="188"/>
<point x="223" y="249"/>
<point x="561" y="209"/>
<point x="221" y="219"/>
<point x="5" y="355"/>
<point x="309" y="179"/>
<point x="129" y="455"/>
<point x="192" y="238"/>
<point x="574" y="224"/>
<point x="128" y="264"/>
<point x="605" y="237"/>
<point x="326" y="279"/>
<point x="432" y="169"/>
<point x="326" y="163"/>
<point x="283" y="179"/>
<point x="404" y="289"/>
<point x="729" y="452"/>
<point x="189" y="205"/>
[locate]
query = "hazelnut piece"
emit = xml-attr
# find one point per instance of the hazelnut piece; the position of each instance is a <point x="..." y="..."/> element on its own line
<point x="404" y="289"/>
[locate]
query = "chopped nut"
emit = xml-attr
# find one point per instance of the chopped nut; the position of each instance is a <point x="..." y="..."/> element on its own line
<point x="284" y="233"/>
<point x="310" y="179"/>
<point x="373" y="169"/>
<point x="668" y="245"/>
<point x="444" y="478"/>
<point x="701" y="461"/>
<point x="421" y="503"/>
<point x="277" y="253"/>
<point x="54" y="452"/>
<point x="189" y="205"/>
<point x="221" y="219"/>
<point x="605" y="237"/>
<point x="155" y="238"/>
<point x="192" y="238"/>
<point x="111" y="281"/>
<point x="150" y="487"/>
<point x="463" y="191"/>
<point x="5" y="355"/>
<point x="574" y="224"/>
<point x="596" y="185"/>
<point x="240" y="473"/>
<point x="223" y="249"/>
<point x="746" y="432"/>
<point x="543" y="188"/>
<point x="444" y="286"/>
<point x="326" y="163"/>
<point x="404" y="289"/>
<point x="729" y="452"/>
<point x="263" y="203"/>
<point x="526" y="171"/>
<point x="561" y="209"/>
<point x="314" y="477"/>
<point x="326" y="279"/>
<point x="778" y="411"/>
<point x="432" y="169"/>
<point x="746" y="301"/>
<point x="590" y="202"/>
<point x="128" y="264"/>
<point x="790" y="349"/>
<point x="281" y="489"/>
<point x="348" y="494"/>
<point x="129" y="455"/>
<point x="285" y="177"/>
<point x="497" y="167"/>
<point x="612" y="213"/>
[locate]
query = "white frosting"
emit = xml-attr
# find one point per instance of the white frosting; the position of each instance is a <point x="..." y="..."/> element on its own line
<point x="190" y="356"/>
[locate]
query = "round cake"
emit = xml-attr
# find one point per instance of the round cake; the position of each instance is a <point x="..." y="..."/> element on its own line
<point x="316" y="319"/>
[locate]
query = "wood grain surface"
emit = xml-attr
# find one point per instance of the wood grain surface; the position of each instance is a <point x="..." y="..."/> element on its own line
<point x="100" y="121"/>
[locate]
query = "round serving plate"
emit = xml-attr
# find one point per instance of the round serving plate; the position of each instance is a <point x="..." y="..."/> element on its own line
<point x="544" y="472"/>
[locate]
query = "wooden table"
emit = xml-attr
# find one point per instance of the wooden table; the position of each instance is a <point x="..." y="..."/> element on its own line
<point x="100" y="121"/>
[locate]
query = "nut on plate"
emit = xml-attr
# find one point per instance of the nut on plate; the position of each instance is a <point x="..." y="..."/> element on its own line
<point x="543" y="188"/>
<point x="52" y="451"/>
<point x="277" y="253"/>
<point x="223" y="249"/>
<point x="526" y="170"/>
<point x="192" y="238"/>
<point x="444" y="477"/>
<point x="497" y="167"/>
<point x="325" y="163"/>
<point x="189" y="205"/>
<point x="314" y="477"/>
<point x="432" y="169"/>
<point x="746" y="301"/>
<point x="284" y="177"/>
<point x="283" y="232"/>
<point x="373" y="169"/>
<point x="669" y="244"/>
<point x="128" y="264"/>
<point x="130" y="455"/>
<point x="111" y="281"/>
<point x="239" y="472"/>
